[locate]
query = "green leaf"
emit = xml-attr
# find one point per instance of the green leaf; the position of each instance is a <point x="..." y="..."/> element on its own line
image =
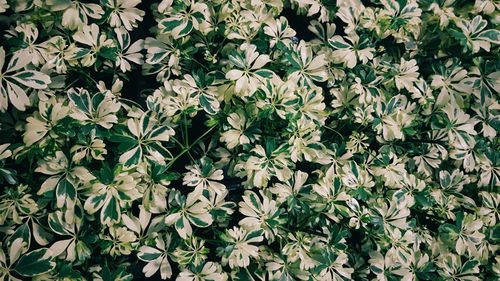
<point x="108" y="53"/>
<point x="94" y="203"/>
<point x="470" y="267"/>
<point x="254" y="234"/>
<point x="110" y="212"/>
<point x="9" y="176"/>
<point x="35" y="263"/>
<point x="477" y="24"/>
<point x="106" y="174"/>
<point x="338" y="44"/>
<point x="147" y="253"/>
<point x="169" y="24"/>
<point x="209" y="103"/>
<point x="264" y="73"/>
<point x="81" y="100"/>
<point x="23" y="232"/>
<point x="449" y="233"/>
<point x="491" y="35"/>
<point x="186" y="30"/>
<point x="132" y="156"/>
<point x="198" y="222"/>
<point x="32" y="79"/>
<point x="56" y="223"/>
<point x="65" y="193"/>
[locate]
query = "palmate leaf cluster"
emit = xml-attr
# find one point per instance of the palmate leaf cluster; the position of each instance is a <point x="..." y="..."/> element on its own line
<point x="249" y="140"/>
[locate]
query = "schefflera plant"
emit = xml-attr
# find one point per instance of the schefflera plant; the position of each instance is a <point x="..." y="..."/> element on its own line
<point x="249" y="140"/>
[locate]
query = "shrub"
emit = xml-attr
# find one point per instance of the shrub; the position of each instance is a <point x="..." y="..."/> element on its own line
<point x="249" y="140"/>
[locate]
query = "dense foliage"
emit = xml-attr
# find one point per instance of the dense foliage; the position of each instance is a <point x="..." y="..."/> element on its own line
<point x="249" y="140"/>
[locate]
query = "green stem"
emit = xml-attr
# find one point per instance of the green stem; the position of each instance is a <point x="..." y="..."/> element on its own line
<point x="183" y="148"/>
<point x="71" y="84"/>
<point x="191" y="58"/>
<point x="132" y="102"/>
<point x="202" y="136"/>
<point x="191" y="156"/>
<point x="87" y="76"/>
<point x="186" y="149"/>
<point x="185" y="127"/>
<point x="335" y="131"/>
<point x="426" y="141"/>
<point x="179" y="143"/>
